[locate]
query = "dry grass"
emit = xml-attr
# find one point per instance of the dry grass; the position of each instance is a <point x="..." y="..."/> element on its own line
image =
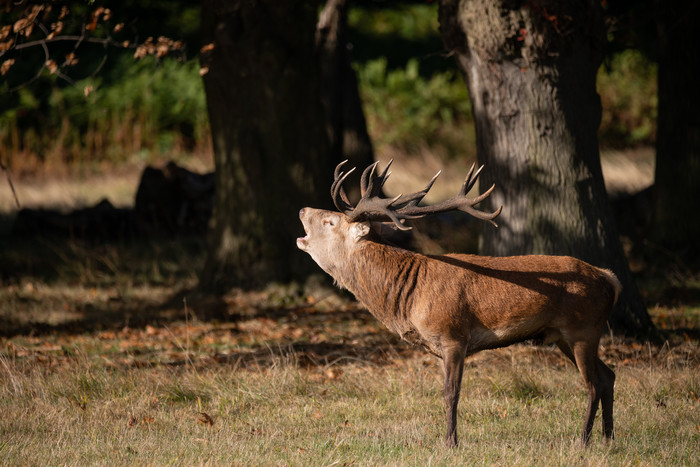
<point x="71" y="193"/>
<point x="321" y="386"/>
<point x="629" y="171"/>
<point x="108" y="358"/>
<point x="70" y="189"/>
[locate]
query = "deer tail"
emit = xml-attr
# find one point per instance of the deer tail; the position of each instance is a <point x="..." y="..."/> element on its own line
<point x="614" y="281"/>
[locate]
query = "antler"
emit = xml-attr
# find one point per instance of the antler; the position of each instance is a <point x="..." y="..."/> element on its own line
<point x="372" y="206"/>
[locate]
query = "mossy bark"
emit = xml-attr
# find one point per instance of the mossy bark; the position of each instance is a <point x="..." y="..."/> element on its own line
<point x="531" y="72"/>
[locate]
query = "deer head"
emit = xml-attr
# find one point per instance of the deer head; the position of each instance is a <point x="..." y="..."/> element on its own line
<point x="332" y="235"/>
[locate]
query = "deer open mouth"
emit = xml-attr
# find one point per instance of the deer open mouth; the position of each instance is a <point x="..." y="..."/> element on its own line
<point x="303" y="242"/>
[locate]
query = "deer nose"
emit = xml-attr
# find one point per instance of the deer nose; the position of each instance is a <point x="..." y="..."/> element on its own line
<point x="301" y="213"/>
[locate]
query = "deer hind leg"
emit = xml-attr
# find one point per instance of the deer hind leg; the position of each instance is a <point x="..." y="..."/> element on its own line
<point x="605" y="390"/>
<point x="566" y="350"/>
<point x="452" y="366"/>
<point x="585" y="354"/>
<point x="607" y="377"/>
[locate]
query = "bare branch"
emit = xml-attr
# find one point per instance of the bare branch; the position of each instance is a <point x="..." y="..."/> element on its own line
<point x="9" y="181"/>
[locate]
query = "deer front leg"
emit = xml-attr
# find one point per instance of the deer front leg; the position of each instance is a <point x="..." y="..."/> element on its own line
<point x="452" y="367"/>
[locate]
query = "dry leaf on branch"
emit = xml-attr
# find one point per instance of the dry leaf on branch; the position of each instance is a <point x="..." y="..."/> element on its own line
<point x="51" y="65"/>
<point x="5" y="31"/>
<point x="4" y="68"/>
<point x="71" y="59"/>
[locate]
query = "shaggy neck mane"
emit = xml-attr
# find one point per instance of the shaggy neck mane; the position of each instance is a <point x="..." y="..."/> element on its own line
<point x="383" y="278"/>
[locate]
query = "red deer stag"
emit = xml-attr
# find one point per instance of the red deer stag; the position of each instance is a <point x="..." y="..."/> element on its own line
<point x="456" y="305"/>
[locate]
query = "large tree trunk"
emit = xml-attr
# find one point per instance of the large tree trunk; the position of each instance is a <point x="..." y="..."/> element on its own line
<point x="346" y="124"/>
<point x="677" y="184"/>
<point x="531" y="72"/>
<point x="271" y="147"/>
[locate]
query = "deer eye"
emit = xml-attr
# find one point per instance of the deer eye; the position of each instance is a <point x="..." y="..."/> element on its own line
<point x="329" y="221"/>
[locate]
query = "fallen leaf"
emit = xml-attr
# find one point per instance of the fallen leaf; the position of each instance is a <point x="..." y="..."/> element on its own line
<point x="205" y="419"/>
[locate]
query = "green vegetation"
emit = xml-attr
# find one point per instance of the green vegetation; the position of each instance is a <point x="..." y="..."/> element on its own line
<point x="627" y="87"/>
<point x="409" y="111"/>
<point x="407" y="22"/>
<point x="414" y="99"/>
<point x="151" y="110"/>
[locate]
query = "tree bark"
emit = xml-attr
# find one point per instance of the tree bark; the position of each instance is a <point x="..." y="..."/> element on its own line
<point x="346" y="124"/>
<point x="271" y="147"/>
<point x="531" y="72"/>
<point x="677" y="186"/>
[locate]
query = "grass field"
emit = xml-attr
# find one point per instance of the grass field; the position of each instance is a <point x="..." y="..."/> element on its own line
<point x="319" y="383"/>
<point x="109" y="356"/>
<point x="109" y="360"/>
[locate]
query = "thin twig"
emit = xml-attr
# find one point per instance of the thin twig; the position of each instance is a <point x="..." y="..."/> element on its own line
<point x="9" y="181"/>
<point x="78" y="39"/>
<point x="187" y="329"/>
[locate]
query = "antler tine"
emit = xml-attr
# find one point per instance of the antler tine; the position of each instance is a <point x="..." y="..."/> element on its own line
<point x="340" y="198"/>
<point x="371" y="184"/>
<point x="382" y="178"/>
<point x="470" y="180"/>
<point x="414" y="198"/>
<point x="482" y="196"/>
<point x="366" y="181"/>
<point x="485" y="216"/>
<point x="337" y="172"/>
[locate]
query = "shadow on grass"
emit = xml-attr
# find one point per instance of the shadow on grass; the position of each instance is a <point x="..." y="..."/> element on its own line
<point x="115" y="315"/>
<point x="69" y="290"/>
<point x="63" y="286"/>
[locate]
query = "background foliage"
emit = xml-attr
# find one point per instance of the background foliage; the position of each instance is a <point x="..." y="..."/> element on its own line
<point x="146" y="110"/>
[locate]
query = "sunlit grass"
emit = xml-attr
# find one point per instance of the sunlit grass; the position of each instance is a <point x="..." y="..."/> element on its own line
<point x="136" y="396"/>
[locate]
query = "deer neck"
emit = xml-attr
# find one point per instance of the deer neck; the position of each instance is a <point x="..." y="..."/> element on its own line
<point x="384" y="279"/>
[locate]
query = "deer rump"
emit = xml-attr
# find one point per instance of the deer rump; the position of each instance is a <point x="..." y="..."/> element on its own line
<point x="456" y="305"/>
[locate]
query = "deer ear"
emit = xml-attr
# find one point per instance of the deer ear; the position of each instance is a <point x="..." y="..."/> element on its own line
<point x="359" y="230"/>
